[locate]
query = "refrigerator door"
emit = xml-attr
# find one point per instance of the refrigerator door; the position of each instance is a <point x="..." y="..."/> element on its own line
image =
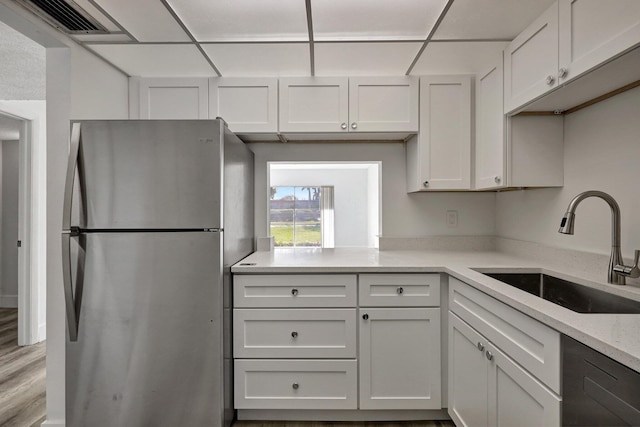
<point x="149" y="174"/>
<point x="149" y="348"/>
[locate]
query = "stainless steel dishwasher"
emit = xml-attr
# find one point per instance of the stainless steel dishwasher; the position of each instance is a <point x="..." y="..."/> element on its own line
<point x="596" y="390"/>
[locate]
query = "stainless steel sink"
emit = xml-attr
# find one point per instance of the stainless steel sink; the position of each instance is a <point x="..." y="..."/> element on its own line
<point x="573" y="296"/>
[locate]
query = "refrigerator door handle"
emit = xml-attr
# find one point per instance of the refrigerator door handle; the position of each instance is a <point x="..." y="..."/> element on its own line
<point x="71" y="171"/>
<point x="72" y="317"/>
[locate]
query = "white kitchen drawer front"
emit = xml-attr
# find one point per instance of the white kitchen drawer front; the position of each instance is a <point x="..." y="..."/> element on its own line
<point x="296" y="384"/>
<point x="296" y="290"/>
<point x="530" y="343"/>
<point x="308" y="333"/>
<point x="399" y="290"/>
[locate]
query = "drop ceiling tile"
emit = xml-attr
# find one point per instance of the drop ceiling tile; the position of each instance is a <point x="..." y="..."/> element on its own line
<point x="374" y="19"/>
<point x="244" y="20"/>
<point x="364" y="59"/>
<point x="146" y="20"/>
<point x="458" y="57"/>
<point x="489" y="19"/>
<point x="156" y="60"/>
<point x="260" y="59"/>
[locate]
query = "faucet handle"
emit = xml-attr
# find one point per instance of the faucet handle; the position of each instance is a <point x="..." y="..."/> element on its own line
<point x="632" y="271"/>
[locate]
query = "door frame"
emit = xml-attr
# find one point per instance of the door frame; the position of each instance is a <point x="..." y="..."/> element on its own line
<point x="30" y="295"/>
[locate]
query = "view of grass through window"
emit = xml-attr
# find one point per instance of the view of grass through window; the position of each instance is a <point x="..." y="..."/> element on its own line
<point x="295" y="218"/>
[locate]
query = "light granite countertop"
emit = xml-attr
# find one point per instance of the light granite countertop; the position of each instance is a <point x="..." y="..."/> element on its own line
<point x="616" y="335"/>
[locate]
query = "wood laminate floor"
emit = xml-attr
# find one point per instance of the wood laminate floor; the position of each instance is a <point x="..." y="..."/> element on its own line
<point x="343" y="424"/>
<point x="22" y="376"/>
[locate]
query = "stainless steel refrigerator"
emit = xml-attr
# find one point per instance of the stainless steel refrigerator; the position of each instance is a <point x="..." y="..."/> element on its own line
<point x="155" y="213"/>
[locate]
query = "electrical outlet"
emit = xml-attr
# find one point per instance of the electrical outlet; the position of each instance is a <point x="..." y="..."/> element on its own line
<point x="452" y="219"/>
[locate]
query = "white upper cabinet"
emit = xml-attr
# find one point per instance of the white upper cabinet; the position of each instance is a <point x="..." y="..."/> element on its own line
<point x="571" y="38"/>
<point x="490" y="152"/>
<point x="531" y="61"/>
<point x="341" y="104"/>
<point x="519" y="151"/>
<point x="314" y="104"/>
<point x="169" y="98"/>
<point x="593" y="31"/>
<point x="440" y="157"/>
<point x="248" y="105"/>
<point x="388" y="104"/>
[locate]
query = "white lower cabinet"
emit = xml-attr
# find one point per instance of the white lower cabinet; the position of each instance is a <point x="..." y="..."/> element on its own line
<point x="399" y="359"/>
<point x="487" y="388"/>
<point x="296" y="384"/>
<point x="300" y="342"/>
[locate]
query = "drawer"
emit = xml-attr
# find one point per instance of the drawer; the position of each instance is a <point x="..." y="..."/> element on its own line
<point x="296" y="333"/>
<point x="399" y="290"/>
<point x="535" y="346"/>
<point x="295" y="384"/>
<point x="294" y="290"/>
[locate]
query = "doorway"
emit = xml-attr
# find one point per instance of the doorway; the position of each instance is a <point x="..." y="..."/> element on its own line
<point x="19" y="287"/>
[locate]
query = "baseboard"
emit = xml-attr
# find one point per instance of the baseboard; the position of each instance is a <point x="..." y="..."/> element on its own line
<point x="8" y="301"/>
<point x="42" y="332"/>
<point x="341" y="415"/>
<point x="53" y="423"/>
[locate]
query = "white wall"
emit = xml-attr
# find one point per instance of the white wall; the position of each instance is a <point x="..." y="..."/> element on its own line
<point x="601" y="152"/>
<point x="9" y="276"/>
<point x="403" y="215"/>
<point x="351" y="199"/>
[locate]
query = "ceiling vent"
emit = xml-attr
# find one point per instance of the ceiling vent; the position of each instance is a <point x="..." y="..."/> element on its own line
<point x="66" y="16"/>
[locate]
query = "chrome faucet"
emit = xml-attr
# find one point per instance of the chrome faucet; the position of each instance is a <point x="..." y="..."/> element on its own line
<point x="617" y="270"/>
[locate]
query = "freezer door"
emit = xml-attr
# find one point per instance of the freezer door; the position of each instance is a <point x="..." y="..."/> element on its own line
<point x="149" y="349"/>
<point x="150" y="174"/>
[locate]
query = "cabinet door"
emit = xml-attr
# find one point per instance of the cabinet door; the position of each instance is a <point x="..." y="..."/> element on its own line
<point x="593" y="31"/>
<point x="383" y="104"/>
<point x="183" y="98"/>
<point x="490" y="159"/>
<point x="248" y="105"/>
<point x="516" y="398"/>
<point x="400" y="358"/>
<point x="314" y="104"/>
<point x="531" y="61"/>
<point x="445" y="133"/>
<point x="468" y="378"/>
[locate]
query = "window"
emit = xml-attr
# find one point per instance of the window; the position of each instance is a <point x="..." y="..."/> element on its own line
<point x="301" y="216"/>
<point x="323" y="204"/>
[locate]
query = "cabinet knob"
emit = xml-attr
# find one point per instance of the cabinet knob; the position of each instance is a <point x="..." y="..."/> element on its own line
<point x="426" y="183"/>
<point x="295" y="386"/>
<point x="497" y="179"/>
<point x="354" y="125"/>
<point x="400" y="291"/>
<point x="294" y="334"/>
<point x="489" y="355"/>
<point x="343" y="126"/>
<point x="294" y="292"/>
<point x="550" y="80"/>
<point x="365" y="316"/>
<point x="480" y="346"/>
<point x="562" y="73"/>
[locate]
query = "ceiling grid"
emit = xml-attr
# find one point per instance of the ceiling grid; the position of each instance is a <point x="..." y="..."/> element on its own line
<point x="242" y="38"/>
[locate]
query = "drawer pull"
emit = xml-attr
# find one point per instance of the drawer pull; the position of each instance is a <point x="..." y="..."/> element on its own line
<point x="489" y="355"/>
<point x="400" y="291"/>
<point x="295" y="386"/>
<point x="294" y="334"/>
<point x="365" y="316"/>
<point x="294" y="292"/>
<point x="480" y="346"/>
